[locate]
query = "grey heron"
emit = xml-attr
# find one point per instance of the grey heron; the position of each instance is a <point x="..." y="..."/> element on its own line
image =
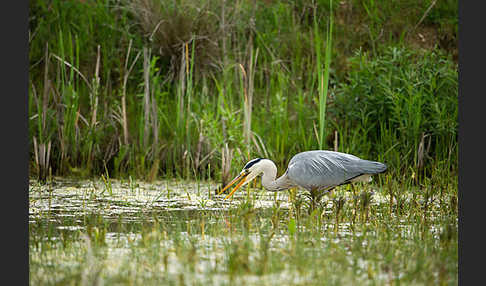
<point x="316" y="171"/>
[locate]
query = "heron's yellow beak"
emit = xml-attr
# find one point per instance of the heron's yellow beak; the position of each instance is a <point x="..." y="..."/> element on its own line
<point x="241" y="177"/>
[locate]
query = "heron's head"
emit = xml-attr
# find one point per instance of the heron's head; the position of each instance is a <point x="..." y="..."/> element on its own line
<point x="251" y="170"/>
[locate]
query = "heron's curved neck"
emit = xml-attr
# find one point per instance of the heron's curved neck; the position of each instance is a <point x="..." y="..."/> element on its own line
<point x="269" y="182"/>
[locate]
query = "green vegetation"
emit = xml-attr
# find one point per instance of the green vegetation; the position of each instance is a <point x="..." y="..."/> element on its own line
<point x="153" y="89"/>
<point x="149" y="105"/>
<point x="160" y="233"/>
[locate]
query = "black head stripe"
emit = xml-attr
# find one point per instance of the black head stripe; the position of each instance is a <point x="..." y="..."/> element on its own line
<point x="251" y="163"/>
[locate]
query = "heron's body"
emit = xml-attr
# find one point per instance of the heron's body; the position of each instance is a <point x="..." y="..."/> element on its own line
<point x="322" y="170"/>
<point x="317" y="170"/>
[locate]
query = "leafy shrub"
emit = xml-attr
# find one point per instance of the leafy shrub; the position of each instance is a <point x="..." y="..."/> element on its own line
<point x="411" y="93"/>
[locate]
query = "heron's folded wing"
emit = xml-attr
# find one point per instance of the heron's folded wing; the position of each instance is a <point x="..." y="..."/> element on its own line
<point x="323" y="169"/>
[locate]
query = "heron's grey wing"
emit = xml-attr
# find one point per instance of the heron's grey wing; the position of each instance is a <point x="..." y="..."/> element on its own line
<point x="321" y="169"/>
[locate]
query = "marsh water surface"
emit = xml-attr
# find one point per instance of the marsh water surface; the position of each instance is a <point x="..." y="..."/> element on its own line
<point x="124" y="232"/>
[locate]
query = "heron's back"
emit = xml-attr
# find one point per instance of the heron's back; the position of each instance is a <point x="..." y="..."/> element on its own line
<point x="320" y="169"/>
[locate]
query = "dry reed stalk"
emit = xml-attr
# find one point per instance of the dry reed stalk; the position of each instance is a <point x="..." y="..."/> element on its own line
<point x="124" y="117"/>
<point x="155" y="122"/>
<point x="45" y="95"/>
<point x="34" y="95"/>
<point x="153" y="170"/>
<point x="42" y="153"/>
<point x="422" y="150"/>
<point x="146" y="97"/>
<point x="182" y="81"/>
<point x="150" y="116"/>
<point x="225" y="62"/>
<point x="96" y="86"/>
<point x="257" y="140"/>
<point x="126" y="73"/>
<point x="335" y="140"/>
<point x="226" y="158"/>
<point x="198" y="151"/>
<point x="251" y="85"/>
<point x="155" y="125"/>
<point x="36" y="156"/>
<point x="248" y="88"/>
<point x="189" y="90"/>
<point x="316" y="133"/>
<point x="420" y="153"/>
<point x="187" y="59"/>
<point x="246" y="123"/>
<point x="74" y="69"/>
<point x="424" y="15"/>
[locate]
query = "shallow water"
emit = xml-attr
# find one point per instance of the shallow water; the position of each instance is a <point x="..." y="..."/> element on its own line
<point x="75" y="197"/>
<point x="64" y="197"/>
<point x="64" y="204"/>
<point x="69" y="213"/>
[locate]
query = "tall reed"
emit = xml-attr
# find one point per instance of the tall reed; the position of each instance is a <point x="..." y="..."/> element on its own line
<point x="323" y="76"/>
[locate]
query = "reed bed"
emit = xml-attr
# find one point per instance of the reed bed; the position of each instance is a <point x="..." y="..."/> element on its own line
<point x="150" y="89"/>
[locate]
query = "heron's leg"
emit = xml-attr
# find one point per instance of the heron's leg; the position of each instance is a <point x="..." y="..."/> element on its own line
<point x="296" y="200"/>
<point x="355" y="200"/>
<point x="352" y="188"/>
<point x="313" y="200"/>
<point x="325" y="192"/>
<point x="292" y="194"/>
<point x="315" y="197"/>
